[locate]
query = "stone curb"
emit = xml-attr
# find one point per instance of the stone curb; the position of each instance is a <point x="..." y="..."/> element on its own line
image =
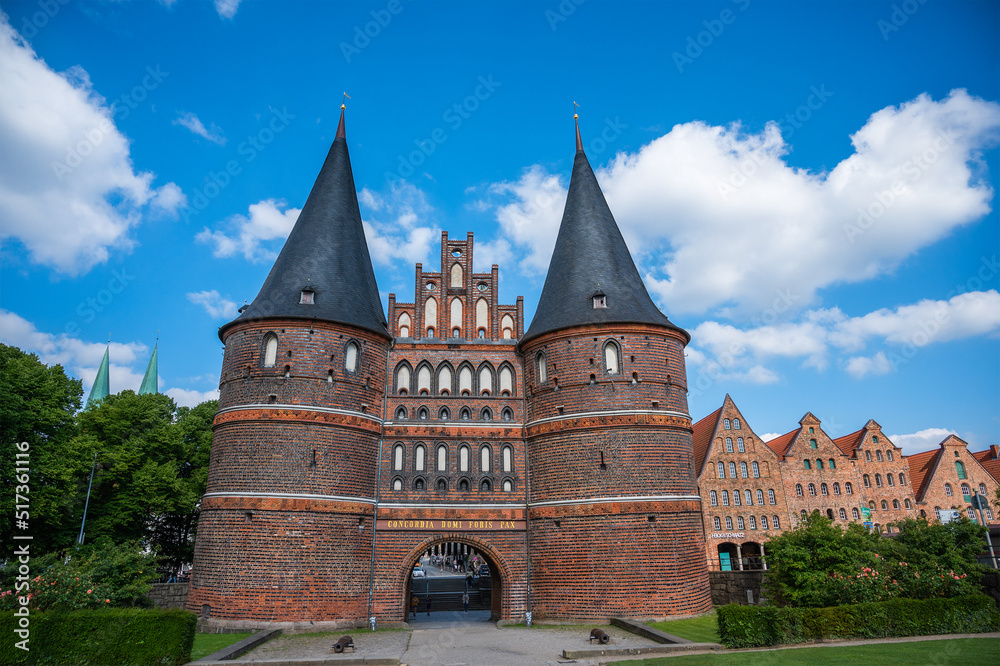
<point x="241" y="647"/>
<point x="655" y="649"/>
<point x="308" y="661"/>
<point x="647" y="631"/>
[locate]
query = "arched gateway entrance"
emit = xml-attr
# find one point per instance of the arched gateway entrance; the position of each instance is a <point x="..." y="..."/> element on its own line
<point x="450" y="566"/>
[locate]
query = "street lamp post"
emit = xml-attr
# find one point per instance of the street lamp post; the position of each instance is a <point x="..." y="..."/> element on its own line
<point x="979" y="501"/>
<point x="83" y="522"/>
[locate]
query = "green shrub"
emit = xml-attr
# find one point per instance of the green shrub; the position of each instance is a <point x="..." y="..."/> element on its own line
<point x="757" y="626"/>
<point x="111" y="636"/>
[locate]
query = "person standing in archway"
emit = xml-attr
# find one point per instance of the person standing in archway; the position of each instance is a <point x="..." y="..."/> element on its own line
<point x="428" y="605"/>
<point x="414" y="602"/>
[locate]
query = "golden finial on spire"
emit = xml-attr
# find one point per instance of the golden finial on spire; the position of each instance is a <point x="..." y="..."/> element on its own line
<point x="343" y="102"/>
<point x="576" y="115"/>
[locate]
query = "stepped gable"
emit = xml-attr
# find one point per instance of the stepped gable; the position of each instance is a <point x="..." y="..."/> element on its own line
<point x="326" y="252"/>
<point x="591" y="258"/>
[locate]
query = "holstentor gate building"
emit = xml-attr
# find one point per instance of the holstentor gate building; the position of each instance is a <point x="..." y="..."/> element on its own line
<point x="347" y="445"/>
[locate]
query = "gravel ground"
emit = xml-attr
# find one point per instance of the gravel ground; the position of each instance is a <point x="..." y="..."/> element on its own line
<point x="452" y="641"/>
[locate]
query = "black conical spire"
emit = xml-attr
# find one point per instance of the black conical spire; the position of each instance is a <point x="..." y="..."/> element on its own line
<point x="591" y="278"/>
<point x="325" y="254"/>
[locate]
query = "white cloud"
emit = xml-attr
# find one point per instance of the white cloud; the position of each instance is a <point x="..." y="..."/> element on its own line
<point x="396" y="227"/>
<point x="256" y="236"/>
<point x="914" y="177"/>
<point x="768" y="436"/>
<point x="923" y="440"/>
<point x="861" y="366"/>
<point x="193" y="123"/>
<point x="82" y="359"/>
<point x="68" y="218"/>
<point x="215" y="305"/>
<point x="227" y="8"/>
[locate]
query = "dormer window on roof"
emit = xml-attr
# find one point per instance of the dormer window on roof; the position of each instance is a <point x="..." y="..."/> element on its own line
<point x="307" y="296"/>
<point x="600" y="299"/>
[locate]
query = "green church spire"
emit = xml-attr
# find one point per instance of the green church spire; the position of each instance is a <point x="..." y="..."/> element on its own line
<point x="101" y="388"/>
<point x="149" y="384"/>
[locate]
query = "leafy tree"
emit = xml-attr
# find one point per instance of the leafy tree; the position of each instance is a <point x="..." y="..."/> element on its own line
<point x="37" y="404"/>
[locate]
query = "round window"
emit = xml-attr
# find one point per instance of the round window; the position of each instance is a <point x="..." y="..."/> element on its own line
<point x="430" y="286"/>
<point x="482" y="286"/>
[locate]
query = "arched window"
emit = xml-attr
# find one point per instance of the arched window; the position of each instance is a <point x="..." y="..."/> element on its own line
<point x="424" y="380"/>
<point x="456" y="317"/>
<point x="486" y="414"/>
<point x="813" y="444"/>
<point x="270" y="350"/>
<point x="743" y="469"/>
<point x="397" y="457"/>
<point x="507" y="414"/>
<point x="748" y="497"/>
<point x="430" y="316"/>
<point x="819" y="463"/>
<point x="889" y="480"/>
<point x="463" y="458"/>
<point x="397" y="484"/>
<point x="888" y="455"/>
<point x="507" y="324"/>
<point x="960" y="469"/>
<point x="465" y="380"/>
<point x="756" y="469"/>
<point x="740" y="525"/>
<point x="843" y="513"/>
<point x="442" y="486"/>
<point x="716" y="522"/>
<point x="739" y="445"/>
<point x="422" y="414"/>
<point x="982" y="489"/>
<point x="871" y="505"/>
<point x="401" y="413"/>
<point x="737" y="500"/>
<point x="878" y="456"/>
<point x="726" y="424"/>
<point x="848" y="488"/>
<point x="543" y="371"/>
<point x="482" y="314"/>
<point x="485" y="486"/>
<point x="752" y="522"/>
<point x="444" y="414"/>
<point x="418" y="484"/>
<point x="760" y="496"/>
<point x="442" y="457"/>
<point x="812" y="489"/>
<point x="722" y="470"/>
<point x="729" y="444"/>
<point x="775" y="522"/>
<point x="457" y="275"/>
<point x="885" y="505"/>
<point x="508" y="485"/>
<point x="508" y="459"/>
<point x="484" y="459"/>
<point x="506" y="381"/>
<point x="725" y="498"/>
<point x="612" y="357"/>
<point x="798" y="489"/>
<point x="418" y="458"/>
<point x="966" y="491"/>
<point x="823" y="489"/>
<point x="829" y="514"/>
<point x="715" y="498"/>
<point x="902" y="479"/>
<point x="729" y="523"/>
<point x="947" y="490"/>
<point x="867" y="481"/>
<point x="736" y="424"/>
<point x="465" y="414"/>
<point x="404" y="325"/>
<point x="763" y="522"/>
<point x="770" y="496"/>
<point x="907" y="504"/>
<point x="878" y="480"/>
<point x="463" y="485"/>
<point x="855" y="514"/>
<point x="444" y="380"/>
<point x="402" y="379"/>
<point x="836" y="489"/>
<point x="868" y="456"/>
<point x="351" y="357"/>
<point x="895" y="504"/>
<point x="833" y="464"/>
<point x="732" y="470"/>
<point x="806" y="464"/>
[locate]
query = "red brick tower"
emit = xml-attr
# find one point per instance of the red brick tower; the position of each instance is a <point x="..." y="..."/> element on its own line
<point x="614" y="513"/>
<point x="286" y="524"/>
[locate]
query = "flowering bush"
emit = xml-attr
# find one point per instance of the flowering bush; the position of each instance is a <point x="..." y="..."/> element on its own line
<point x="98" y="576"/>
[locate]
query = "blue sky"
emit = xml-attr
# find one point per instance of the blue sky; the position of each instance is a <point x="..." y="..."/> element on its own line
<point x="808" y="188"/>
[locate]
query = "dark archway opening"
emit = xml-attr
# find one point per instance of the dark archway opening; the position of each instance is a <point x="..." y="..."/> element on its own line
<point x="752" y="557"/>
<point x="445" y="570"/>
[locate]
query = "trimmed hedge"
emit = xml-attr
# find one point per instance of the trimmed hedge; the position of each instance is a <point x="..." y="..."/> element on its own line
<point x="112" y="637"/>
<point x="757" y="626"/>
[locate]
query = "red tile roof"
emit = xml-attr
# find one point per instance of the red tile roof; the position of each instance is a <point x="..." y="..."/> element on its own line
<point x="703" y="430"/>
<point x="921" y="466"/>
<point x="991" y="464"/>
<point x="780" y="445"/>
<point x="848" y="443"/>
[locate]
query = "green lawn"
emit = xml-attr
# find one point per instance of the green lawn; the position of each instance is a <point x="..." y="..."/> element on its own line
<point x="704" y="629"/>
<point x="959" y="651"/>
<point x="206" y="644"/>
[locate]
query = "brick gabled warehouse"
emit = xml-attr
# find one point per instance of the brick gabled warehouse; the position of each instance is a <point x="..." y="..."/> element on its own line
<point x="347" y="446"/>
